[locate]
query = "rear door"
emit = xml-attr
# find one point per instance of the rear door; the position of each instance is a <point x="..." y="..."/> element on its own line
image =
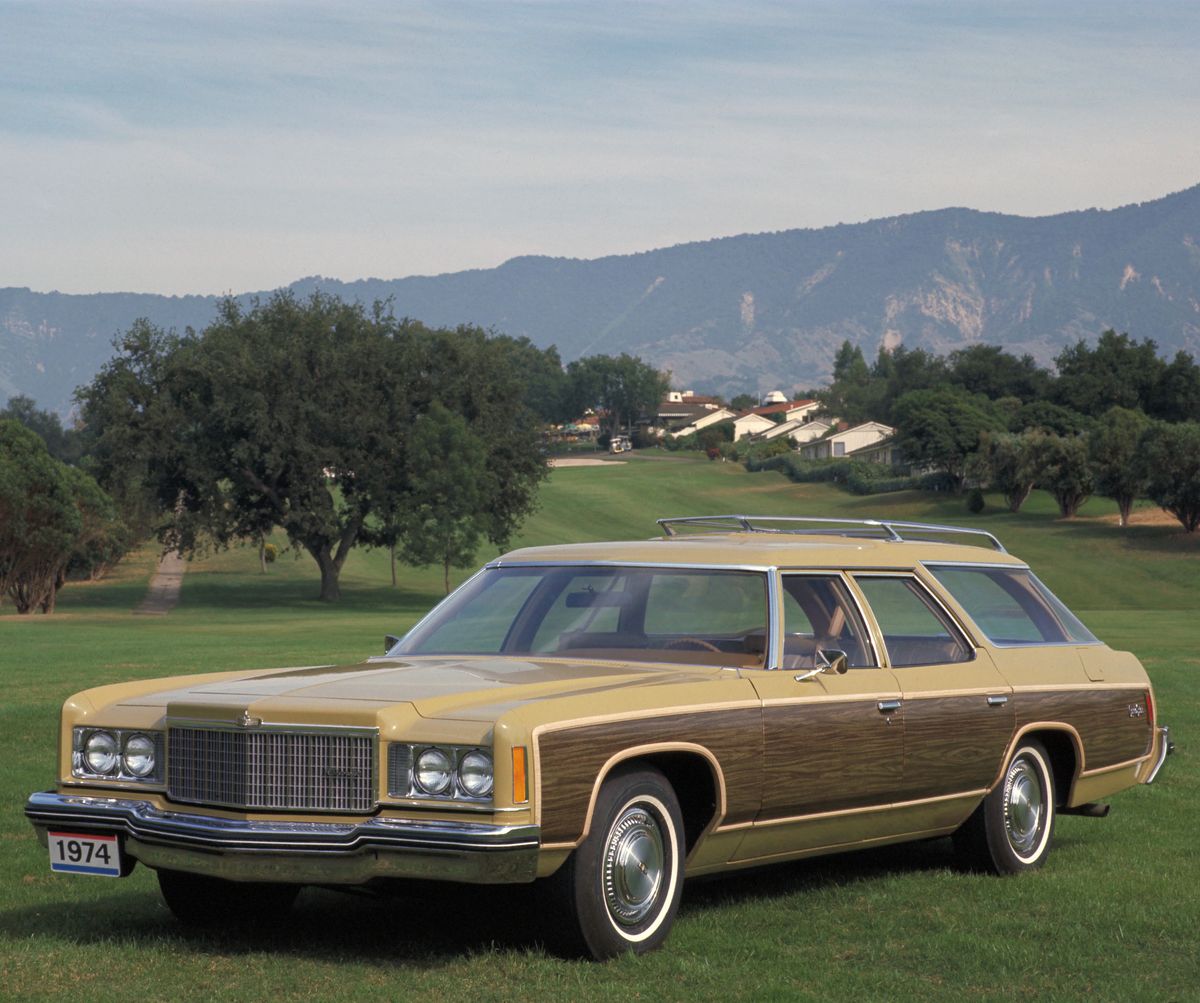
<point x="957" y="707"/>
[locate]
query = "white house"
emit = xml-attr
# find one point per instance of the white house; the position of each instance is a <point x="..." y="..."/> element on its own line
<point x="799" y="431"/>
<point x="751" y="424"/>
<point x="703" y="421"/>
<point x="847" y="441"/>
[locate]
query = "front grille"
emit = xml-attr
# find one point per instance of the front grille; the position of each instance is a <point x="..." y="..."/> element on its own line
<point x="301" y="771"/>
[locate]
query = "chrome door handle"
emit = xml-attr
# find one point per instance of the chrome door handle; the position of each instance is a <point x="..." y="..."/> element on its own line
<point x="998" y="701"/>
<point x="887" y="706"/>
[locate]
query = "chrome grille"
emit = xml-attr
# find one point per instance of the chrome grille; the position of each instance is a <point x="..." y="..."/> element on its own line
<point x="301" y="771"/>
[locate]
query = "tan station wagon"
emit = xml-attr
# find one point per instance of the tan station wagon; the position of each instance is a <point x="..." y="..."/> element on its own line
<point x="609" y="718"/>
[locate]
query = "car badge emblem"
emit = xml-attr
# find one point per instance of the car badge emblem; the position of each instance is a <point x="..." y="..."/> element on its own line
<point x="1137" y="710"/>
<point x="246" y="721"/>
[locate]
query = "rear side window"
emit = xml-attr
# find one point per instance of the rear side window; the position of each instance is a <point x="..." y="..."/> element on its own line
<point x="1011" y="606"/>
<point x="915" y="629"/>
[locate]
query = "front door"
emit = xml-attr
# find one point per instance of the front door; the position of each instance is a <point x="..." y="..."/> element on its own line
<point x="833" y="744"/>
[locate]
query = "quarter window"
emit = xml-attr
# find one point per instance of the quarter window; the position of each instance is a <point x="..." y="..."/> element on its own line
<point x="915" y="630"/>
<point x="1010" y="606"/>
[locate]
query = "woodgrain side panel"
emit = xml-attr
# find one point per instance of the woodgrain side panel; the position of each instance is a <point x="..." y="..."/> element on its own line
<point x="952" y="744"/>
<point x="571" y="760"/>
<point x="829" y="756"/>
<point x="1109" y="733"/>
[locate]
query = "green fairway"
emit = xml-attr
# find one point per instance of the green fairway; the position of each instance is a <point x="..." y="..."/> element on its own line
<point x="1114" y="915"/>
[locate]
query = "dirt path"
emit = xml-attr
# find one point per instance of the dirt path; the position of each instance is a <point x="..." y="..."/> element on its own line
<point x="163" y="593"/>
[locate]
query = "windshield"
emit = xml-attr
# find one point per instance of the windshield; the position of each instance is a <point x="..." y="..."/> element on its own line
<point x="623" y="613"/>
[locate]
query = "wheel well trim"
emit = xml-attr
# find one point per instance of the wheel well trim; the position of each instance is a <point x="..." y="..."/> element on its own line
<point x="633" y="753"/>
<point x="1044" y="726"/>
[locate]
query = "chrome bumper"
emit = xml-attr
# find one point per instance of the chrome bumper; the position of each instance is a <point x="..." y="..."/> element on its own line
<point x="301" y="852"/>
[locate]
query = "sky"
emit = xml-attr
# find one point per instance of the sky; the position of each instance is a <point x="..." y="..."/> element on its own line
<point x="186" y="147"/>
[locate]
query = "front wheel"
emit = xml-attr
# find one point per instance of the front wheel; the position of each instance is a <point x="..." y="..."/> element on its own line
<point x="1011" y="831"/>
<point x="620" y="889"/>
<point x="197" y="900"/>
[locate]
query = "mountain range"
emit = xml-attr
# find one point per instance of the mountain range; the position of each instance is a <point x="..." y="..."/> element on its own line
<point x="755" y="312"/>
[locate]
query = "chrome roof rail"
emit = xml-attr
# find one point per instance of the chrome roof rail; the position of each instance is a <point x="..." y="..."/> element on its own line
<point x="890" y="529"/>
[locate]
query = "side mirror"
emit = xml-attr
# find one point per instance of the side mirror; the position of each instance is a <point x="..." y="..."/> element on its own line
<point x="830" y="661"/>
<point x="389" y="642"/>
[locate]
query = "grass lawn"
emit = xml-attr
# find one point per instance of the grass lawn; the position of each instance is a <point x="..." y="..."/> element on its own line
<point x="1115" y="914"/>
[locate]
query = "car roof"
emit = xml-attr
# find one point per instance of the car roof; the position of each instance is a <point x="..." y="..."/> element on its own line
<point x="764" y="549"/>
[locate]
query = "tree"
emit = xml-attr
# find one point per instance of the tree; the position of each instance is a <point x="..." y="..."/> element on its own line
<point x="297" y="414"/>
<point x="62" y="443"/>
<point x="991" y="371"/>
<point x="1113" y="446"/>
<point x="941" y="428"/>
<point x="622" y="387"/>
<point x="39" y="520"/>
<point x="851" y="393"/>
<point x="743" y="402"/>
<point x="1176" y="397"/>
<point x="1066" y="472"/>
<point x="1117" y="372"/>
<point x="1010" y="463"/>
<point x="1048" y="417"/>
<point x="447" y="487"/>
<point x="1170" y="457"/>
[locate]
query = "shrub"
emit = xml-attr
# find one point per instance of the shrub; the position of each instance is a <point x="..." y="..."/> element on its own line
<point x="975" y="502"/>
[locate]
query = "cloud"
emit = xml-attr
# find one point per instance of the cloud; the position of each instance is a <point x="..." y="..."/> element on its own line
<point x="249" y="143"/>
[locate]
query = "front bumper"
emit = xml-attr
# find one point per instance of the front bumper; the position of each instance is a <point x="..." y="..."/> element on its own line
<point x="325" y="853"/>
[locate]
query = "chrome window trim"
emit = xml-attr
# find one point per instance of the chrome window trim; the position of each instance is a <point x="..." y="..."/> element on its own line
<point x="774" y="653"/>
<point x="665" y="565"/>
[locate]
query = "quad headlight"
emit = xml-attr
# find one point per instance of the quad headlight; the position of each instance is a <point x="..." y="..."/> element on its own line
<point x="116" y="754"/>
<point x="434" y="773"/>
<point x="440" y="772"/>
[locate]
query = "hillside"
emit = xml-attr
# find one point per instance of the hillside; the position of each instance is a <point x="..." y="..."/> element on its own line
<point x="760" y="311"/>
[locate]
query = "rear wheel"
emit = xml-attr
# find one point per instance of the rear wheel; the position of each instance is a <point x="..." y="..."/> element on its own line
<point x="620" y="889"/>
<point x="1011" y="831"/>
<point x="200" y="901"/>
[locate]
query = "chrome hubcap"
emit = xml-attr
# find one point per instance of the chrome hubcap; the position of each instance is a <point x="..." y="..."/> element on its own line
<point x="633" y="866"/>
<point x="1023" y="807"/>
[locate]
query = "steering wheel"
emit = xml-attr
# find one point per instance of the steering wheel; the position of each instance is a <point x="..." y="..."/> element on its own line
<point x="692" y="642"/>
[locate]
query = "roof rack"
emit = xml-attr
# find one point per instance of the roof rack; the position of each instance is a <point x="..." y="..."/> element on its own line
<point x="888" y="529"/>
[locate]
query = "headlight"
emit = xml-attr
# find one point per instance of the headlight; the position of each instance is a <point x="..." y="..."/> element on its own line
<point x="117" y="754"/>
<point x="100" y="753"/>
<point x="475" y="774"/>
<point x="434" y="771"/>
<point x="439" y="772"/>
<point x="139" y="755"/>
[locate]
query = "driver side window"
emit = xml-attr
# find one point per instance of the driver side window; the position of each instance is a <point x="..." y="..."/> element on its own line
<point x="818" y="614"/>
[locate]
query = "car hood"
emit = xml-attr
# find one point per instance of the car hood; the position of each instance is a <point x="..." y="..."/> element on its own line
<point x="472" y="688"/>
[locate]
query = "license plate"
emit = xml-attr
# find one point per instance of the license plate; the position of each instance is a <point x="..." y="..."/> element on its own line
<point x="77" y="853"/>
